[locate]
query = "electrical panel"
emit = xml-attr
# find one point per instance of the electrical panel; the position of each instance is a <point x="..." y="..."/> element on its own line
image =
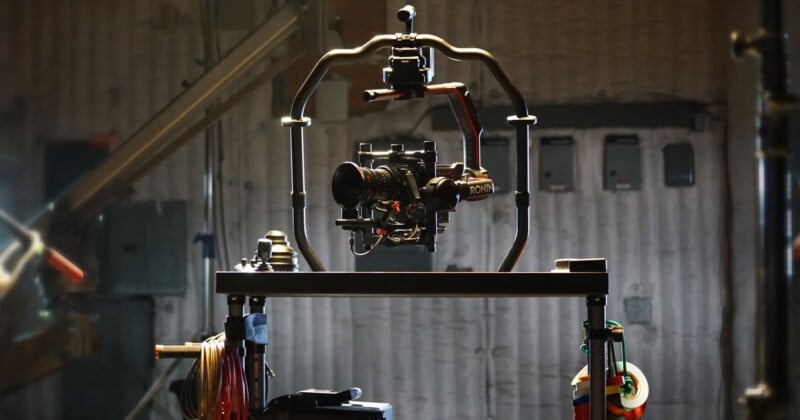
<point x="622" y="168"/>
<point x="638" y="310"/>
<point x="556" y="164"/>
<point x="679" y="165"/>
<point x="143" y="249"/>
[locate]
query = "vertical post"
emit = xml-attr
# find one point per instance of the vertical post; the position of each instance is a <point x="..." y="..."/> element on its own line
<point x="772" y="146"/>
<point x="522" y="196"/>
<point x="769" y="399"/>
<point x="298" y="191"/>
<point x="211" y="52"/>
<point x="234" y="322"/>
<point x="235" y="329"/>
<point x="596" y="306"/>
<point x="255" y="365"/>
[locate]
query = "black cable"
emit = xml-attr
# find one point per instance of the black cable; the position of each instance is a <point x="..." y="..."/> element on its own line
<point x="612" y="364"/>
<point x="612" y="357"/>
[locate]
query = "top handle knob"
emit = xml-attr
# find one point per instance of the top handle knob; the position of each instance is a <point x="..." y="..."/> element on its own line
<point x="406" y="14"/>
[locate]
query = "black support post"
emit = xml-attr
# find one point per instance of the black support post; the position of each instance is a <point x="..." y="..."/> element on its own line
<point x="596" y="306"/>
<point x="255" y="365"/>
<point x="769" y="398"/>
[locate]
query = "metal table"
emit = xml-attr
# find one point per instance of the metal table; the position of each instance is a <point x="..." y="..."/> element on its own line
<point x="574" y="278"/>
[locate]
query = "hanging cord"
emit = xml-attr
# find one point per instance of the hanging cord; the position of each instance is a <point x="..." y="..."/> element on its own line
<point x="367" y="250"/>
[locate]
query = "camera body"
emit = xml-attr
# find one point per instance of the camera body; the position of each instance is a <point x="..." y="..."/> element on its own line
<point x="407" y="199"/>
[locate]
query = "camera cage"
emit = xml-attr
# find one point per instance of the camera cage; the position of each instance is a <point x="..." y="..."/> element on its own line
<point x="401" y="88"/>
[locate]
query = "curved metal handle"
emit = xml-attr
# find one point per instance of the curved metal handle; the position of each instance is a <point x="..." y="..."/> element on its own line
<point x="455" y="53"/>
<point x="324" y="63"/>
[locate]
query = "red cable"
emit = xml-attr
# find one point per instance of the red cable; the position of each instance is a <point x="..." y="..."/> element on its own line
<point x="243" y="392"/>
<point x="224" y="407"/>
<point x="233" y="398"/>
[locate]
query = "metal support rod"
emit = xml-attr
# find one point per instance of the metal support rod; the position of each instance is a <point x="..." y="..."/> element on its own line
<point x="186" y="351"/>
<point x="456" y="53"/>
<point x="769" y="399"/>
<point x="255" y="365"/>
<point x="208" y="297"/>
<point x="522" y="198"/>
<point x="234" y="322"/>
<point x="596" y="306"/>
<point x="156" y="132"/>
<point x="276" y="66"/>
<point x="299" y="200"/>
<point x="211" y="49"/>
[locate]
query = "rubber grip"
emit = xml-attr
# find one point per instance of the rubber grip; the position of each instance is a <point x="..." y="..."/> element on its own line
<point x="64" y="266"/>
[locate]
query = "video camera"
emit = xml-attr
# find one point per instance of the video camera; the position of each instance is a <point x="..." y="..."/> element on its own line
<point x="407" y="199"/>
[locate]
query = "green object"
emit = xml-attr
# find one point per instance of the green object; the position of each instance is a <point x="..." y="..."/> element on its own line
<point x="627" y="387"/>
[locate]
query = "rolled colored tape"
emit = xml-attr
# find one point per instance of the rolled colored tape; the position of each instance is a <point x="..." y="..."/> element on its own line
<point x="581" y="376"/>
<point x="582" y="386"/>
<point x="640" y="388"/>
<point x="615" y="380"/>
<point x="582" y="400"/>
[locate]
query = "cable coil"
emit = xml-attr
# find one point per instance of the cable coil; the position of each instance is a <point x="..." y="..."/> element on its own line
<point x="216" y="385"/>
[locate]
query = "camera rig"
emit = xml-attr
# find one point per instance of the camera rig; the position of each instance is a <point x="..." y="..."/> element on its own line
<point x="407" y="200"/>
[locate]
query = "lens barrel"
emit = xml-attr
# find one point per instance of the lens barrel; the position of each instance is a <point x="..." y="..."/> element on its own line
<point x="353" y="185"/>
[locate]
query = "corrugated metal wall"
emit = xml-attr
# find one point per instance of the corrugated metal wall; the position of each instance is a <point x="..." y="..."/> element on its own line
<point x="91" y="66"/>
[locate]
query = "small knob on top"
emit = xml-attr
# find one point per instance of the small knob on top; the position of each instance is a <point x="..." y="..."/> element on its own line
<point x="406" y="14"/>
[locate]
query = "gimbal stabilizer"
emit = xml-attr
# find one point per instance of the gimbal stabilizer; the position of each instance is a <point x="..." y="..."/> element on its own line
<point x="414" y="189"/>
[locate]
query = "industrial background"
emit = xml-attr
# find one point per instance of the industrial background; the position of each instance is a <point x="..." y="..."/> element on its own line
<point x="680" y="259"/>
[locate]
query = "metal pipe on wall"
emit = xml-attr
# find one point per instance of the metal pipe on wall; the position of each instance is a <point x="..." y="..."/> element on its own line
<point x="770" y="397"/>
<point x="93" y="191"/>
<point x="207" y="237"/>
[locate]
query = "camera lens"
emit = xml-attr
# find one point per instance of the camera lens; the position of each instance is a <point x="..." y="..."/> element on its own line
<point x="353" y="185"/>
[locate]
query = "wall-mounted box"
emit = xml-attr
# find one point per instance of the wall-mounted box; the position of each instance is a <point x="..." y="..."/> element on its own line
<point x="622" y="164"/>
<point x="556" y="164"/>
<point x="679" y="165"/>
<point x="143" y="249"/>
<point x="638" y="310"/>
